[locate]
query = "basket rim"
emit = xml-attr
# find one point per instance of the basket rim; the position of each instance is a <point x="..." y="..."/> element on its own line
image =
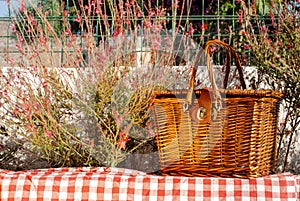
<point x="232" y="92"/>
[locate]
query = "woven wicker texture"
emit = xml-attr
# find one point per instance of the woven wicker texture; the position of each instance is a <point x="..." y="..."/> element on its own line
<point x="239" y="140"/>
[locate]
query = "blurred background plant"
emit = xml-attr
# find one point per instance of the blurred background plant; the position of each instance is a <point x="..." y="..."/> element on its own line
<point x="274" y="45"/>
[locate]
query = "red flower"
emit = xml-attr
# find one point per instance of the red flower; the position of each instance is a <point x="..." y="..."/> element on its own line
<point x="192" y="30"/>
<point x="13" y="28"/>
<point x="278" y="43"/>
<point x="203" y="27"/>
<point x="240" y="17"/>
<point x="78" y="19"/>
<point x="23" y="6"/>
<point x="122" y="144"/>
<point x="15" y="112"/>
<point x="123" y="140"/>
<point x="5" y="94"/>
<point x="151" y="133"/>
<point x="65" y="13"/>
<point x="244" y="32"/>
<point x="49" y="134"/>
<point x="119" y="120"/>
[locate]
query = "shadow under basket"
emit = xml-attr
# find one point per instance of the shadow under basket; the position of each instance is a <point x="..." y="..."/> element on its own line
<point x="240" y="141"/>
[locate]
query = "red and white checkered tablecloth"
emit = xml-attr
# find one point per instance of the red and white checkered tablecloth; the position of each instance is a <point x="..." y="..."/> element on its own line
<point x="123" y="184"/>
<point x="298" y="186"/>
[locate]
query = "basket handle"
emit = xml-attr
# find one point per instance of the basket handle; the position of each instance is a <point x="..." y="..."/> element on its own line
<point x="229" y="53"/>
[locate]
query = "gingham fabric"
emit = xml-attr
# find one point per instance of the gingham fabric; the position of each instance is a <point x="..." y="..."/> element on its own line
<point x="123" y="184"/>
<point x="298" y="186"/>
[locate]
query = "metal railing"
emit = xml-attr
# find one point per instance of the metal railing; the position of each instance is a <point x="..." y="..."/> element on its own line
<point x="208" y="18"/>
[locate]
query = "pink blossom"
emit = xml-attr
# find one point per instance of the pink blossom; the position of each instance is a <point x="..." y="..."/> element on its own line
<point x="78" y="19"/>
<point x="13" y="28"/>
<point x="90" y="142"/>
<point x="44" y="84"/>
<point x="19" y="47"/>
<point x="5" y="94"/>
<point x="36" y="106"/>
<point x="264" y="28"/>
<point x="49" y="134"/>
<point x="120" y="6"/>
<point x="176" y="4"/>
<point x="278" y="43"/>
<point x="23" y="6"/>
<point x="68" y="31"/>
<point x="26" y="110"/>
<point x="272" y="15"/>
<point x="151" y="133"/>
<point x="151" y="13"/>
<point x="122" y="134"/>
<point x="70" y="44"/>
<point x="191" y="29"/>
<point x="32" y="20"/>
<point x="116" y="33"/>
<point x="214" y="48"/>
<point x="21" y="39"/>
<point x="244" y="32"/>
<point x="203" y="27"/>
<point x="122" y="144"/>
<point x="11" y="61"/>
<point x="272" y="4"/>
<point x="123" y="139"/>
<point x="240" y="19"/>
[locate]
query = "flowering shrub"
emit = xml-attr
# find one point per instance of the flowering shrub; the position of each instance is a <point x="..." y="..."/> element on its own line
<point x="93" y="107"/>
<point x="274" y="47"/>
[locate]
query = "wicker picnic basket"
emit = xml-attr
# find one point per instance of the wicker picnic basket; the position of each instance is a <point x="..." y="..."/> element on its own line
<point x="217" y="132"/>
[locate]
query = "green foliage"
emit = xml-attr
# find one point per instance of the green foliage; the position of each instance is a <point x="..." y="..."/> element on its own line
<point x="274" y="51"/>
<point x="54" y="11"/>
<point x="227" y="8"/>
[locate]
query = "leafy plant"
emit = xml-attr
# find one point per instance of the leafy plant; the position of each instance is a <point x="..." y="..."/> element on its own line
<point x="95" y="109"/>
<point x="274" y="48"/>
